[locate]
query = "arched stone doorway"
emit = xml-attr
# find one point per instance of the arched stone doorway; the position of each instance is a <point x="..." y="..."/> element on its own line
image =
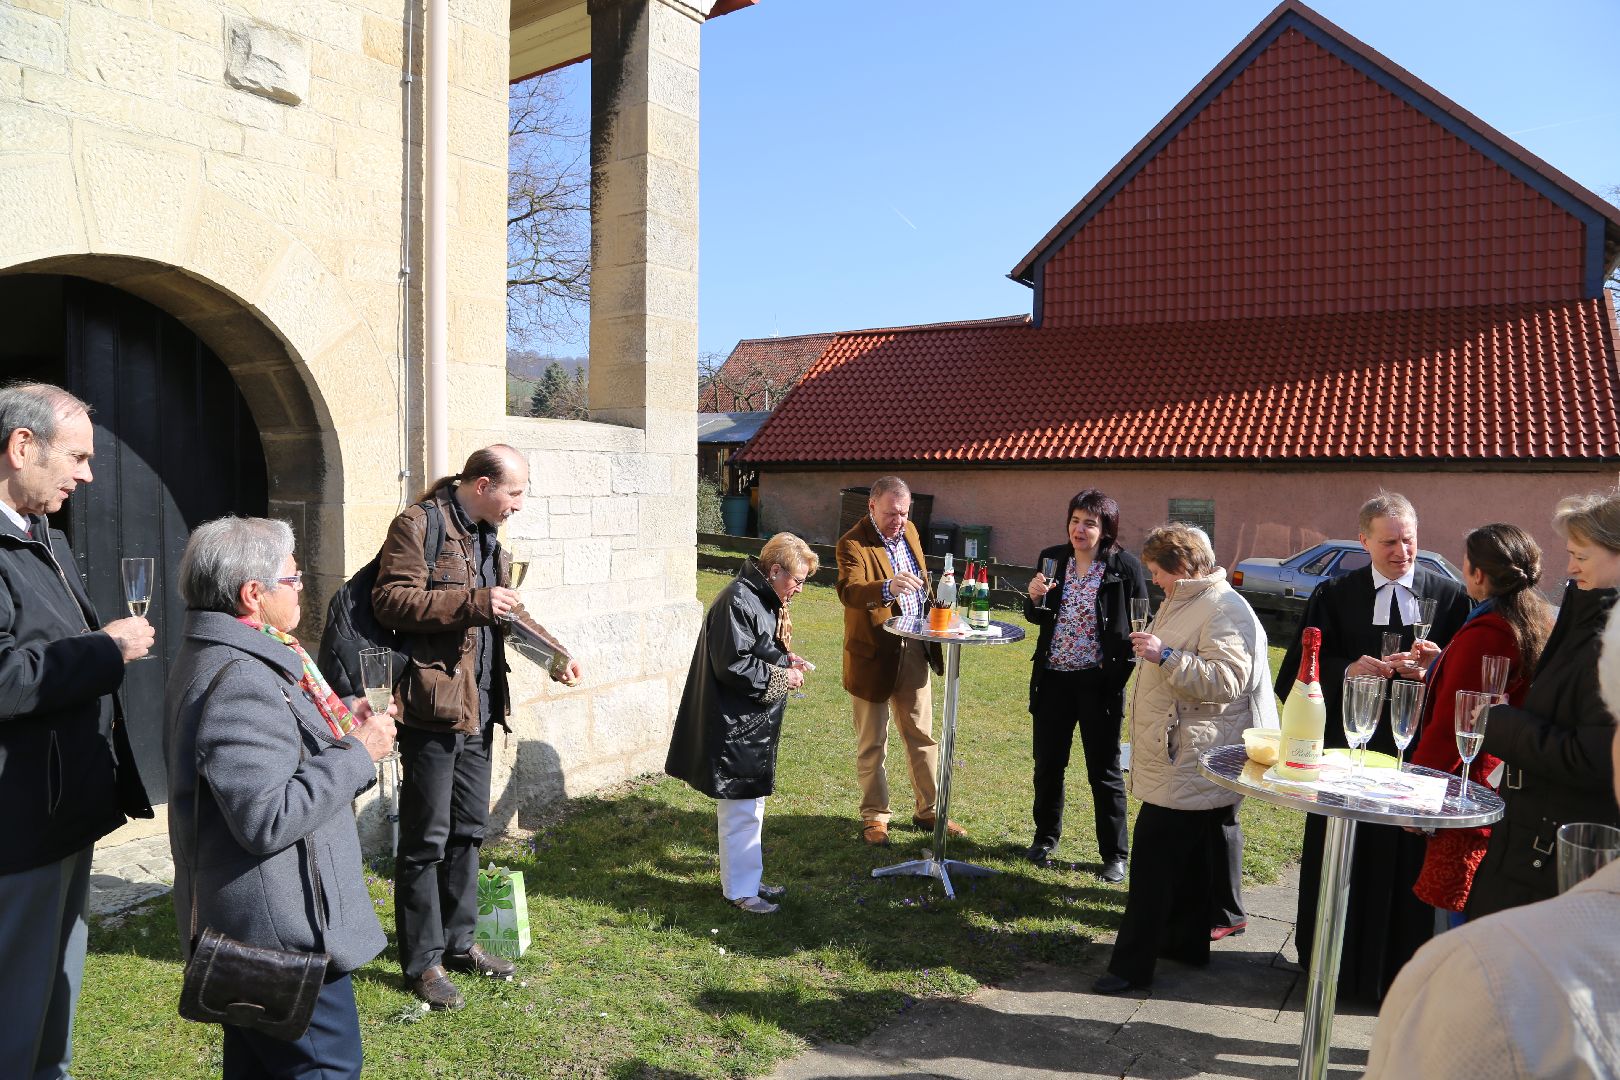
<point x="194" y="419"/>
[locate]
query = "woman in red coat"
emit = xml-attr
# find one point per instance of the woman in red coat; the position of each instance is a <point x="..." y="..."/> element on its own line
<point x="1501" y="567"/>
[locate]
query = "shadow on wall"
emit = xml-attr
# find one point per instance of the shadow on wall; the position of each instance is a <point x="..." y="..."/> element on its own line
<point x="535" y="784"/>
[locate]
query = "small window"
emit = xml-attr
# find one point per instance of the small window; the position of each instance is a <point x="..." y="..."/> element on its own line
<point x="1199" y="512"/>
<point x="1318" y="566"/>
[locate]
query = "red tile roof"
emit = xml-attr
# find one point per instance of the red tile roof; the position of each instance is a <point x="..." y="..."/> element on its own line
<point x="1309" y="175"/>
<point x="759" y="369"/>
<point x="1527" y="382"/>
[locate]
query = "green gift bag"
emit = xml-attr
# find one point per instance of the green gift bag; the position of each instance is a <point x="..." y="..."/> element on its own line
<point x="503" y="912"/>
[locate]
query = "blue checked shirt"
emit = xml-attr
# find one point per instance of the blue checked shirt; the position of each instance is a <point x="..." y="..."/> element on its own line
<point x="911" y="604"/>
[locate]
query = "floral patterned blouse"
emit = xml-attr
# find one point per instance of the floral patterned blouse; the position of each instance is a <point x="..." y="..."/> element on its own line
<point x="1074" y="638"/>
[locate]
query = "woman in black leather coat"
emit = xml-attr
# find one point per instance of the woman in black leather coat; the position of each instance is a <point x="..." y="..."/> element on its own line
<point x="1556" y="747"/>
<point x="730" y="720"/>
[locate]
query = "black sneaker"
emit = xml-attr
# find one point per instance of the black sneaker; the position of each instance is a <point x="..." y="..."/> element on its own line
<point x="476" y="961"/>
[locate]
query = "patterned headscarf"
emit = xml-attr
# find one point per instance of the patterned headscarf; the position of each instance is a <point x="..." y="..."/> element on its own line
<point x="313" y="683"/>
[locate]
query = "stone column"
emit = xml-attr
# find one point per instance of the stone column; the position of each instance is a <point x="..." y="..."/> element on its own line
<point x="644" y="220"/>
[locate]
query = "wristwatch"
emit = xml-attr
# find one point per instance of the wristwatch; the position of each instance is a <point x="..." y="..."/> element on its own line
<point x="1165" y="654"/>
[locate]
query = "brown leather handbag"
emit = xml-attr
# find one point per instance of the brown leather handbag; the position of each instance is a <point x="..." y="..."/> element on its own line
<point x="272" y="991"/>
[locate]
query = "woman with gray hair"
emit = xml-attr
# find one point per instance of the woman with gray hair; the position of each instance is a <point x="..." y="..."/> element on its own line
<point x="1203" y="680"/>
<point x="264" y="761"/>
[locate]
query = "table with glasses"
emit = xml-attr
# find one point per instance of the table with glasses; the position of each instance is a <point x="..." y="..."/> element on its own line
<point x="935" y="864"/>
<point x="1231" y="768"/>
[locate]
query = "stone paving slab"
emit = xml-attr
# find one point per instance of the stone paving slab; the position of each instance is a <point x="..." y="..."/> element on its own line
<point x="1241" y="1017"/>
<point x="123" y="875"/>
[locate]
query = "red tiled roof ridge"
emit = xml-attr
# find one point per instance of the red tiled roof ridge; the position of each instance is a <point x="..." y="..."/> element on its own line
<point x="954" y="324"/>
<point x="1022" y="272"/>
<point x="786" y="339"/>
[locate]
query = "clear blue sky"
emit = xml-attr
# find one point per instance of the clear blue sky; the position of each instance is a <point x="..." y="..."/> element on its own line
<point x="882" y="162"/>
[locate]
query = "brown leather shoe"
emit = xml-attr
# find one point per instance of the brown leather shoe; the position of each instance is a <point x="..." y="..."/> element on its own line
<point x="434" y="987"/>
<point x="951" y="827"/>
<point x="875" y="833"/>
<point x="475" y="961"/>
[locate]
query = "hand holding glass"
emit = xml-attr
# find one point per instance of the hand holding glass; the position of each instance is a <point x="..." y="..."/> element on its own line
<point x="1584" y="848"/>
<point x="1473" y="709"/>
<point x="138" y="574"/>
<point x="1141" y="608"/>
<point x="1049" y="572"/>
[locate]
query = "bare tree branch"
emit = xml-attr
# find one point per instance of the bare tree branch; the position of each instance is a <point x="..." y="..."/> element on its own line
<point x="548" y="241"/>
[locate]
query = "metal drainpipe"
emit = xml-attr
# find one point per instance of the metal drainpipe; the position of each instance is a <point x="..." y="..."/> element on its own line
<point x="436" y="316"/>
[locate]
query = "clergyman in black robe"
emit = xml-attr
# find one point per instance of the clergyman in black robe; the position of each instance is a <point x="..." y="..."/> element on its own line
<point x="1384" y="923"/>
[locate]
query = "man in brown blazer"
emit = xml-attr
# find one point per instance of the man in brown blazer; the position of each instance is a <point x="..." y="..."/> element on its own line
<point x="880" y="574"/>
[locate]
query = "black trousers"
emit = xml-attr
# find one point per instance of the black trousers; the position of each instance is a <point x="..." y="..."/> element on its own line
<point x="1227" y="907"/>
<point x="1178" y="870"/>
<point x="443" y="810"/>
<point x="1079" y="698"/>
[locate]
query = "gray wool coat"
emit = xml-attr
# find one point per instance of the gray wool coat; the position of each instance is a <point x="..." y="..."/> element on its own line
<point x="243" y="735"/>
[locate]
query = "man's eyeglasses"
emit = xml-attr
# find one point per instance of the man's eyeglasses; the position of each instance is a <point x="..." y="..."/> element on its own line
<point x="295" y="581"/>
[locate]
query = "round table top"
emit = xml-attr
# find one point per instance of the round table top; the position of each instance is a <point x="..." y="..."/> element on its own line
<point x="1230" y="767"/>
<point x="917" y="630"/>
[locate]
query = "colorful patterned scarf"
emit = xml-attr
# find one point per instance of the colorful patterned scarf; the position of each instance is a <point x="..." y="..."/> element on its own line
<point x="313" y="684"/>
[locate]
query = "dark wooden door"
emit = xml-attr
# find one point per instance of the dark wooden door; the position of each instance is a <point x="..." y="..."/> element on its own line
<point x="175" y="446"/>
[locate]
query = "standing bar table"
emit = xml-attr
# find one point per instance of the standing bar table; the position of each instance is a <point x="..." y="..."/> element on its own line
<point x="936" y="865"/>
<point x="1230" y="767"/>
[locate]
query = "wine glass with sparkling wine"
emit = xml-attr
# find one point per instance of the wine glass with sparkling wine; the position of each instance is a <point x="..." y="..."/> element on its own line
<point x="377" y="676"/>
<point x="1405" y="706"/>
<point x="1140" y="609"/>
<point x="516" y="571"/>
<point x="1473" y="709"/>
<point x="1425" y="618"/>
<point x="138" y="574"/>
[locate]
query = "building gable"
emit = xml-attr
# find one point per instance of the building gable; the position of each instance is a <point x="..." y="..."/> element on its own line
<point x="1308" y="176"/>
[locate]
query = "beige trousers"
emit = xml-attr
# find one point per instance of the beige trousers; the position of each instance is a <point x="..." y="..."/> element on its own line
<point x="913" y="711"/>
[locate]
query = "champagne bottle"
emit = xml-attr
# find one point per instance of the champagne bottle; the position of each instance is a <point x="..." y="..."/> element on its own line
<point x="964" y="595"/>
<point x="981" y="602"/>
<point x="944" y="609"/>
<point x="1304" y="715"/>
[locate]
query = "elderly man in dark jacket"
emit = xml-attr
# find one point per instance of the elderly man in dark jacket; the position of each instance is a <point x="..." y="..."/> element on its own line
<point x="67" y="776"/>
<point x="452" y="694"/>
<point x="730" y="719"/>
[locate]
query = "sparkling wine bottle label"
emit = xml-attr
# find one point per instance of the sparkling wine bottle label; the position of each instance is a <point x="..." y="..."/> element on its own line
<point x="1302" y="753"/>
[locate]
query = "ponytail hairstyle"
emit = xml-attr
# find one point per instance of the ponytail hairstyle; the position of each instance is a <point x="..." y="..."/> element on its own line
<point x="490" y="462"/>
<point x="1511" y="563"/>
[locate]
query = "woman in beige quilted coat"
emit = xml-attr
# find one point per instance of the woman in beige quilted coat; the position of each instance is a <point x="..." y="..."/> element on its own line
<point x="1203" y="679"/>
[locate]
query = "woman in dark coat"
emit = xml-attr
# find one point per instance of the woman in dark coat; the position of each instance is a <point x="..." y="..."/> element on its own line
<point x="264" y="764"/>
<point x="1081" y="664"/>
<point x="730" y="720"/>
<point x="1556" y="746"/>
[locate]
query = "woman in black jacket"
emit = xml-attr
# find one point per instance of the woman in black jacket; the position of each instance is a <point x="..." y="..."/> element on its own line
<point x="1556" y="747"/>
<point x="1081" y="664"/>
<point x="730" y="720"/>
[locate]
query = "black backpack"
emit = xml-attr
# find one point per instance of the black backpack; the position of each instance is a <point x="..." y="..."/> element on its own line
<point x="351" y="624"/>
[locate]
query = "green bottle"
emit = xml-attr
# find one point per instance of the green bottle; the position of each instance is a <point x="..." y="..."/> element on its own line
<point x="981" y="602"/>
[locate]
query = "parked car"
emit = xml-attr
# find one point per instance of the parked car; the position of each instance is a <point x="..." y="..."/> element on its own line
<point x="1280" y="587"/>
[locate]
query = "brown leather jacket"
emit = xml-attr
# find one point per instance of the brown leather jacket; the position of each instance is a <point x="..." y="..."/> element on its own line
<point x="871" y="653"/>
<point x="441" y="613"/>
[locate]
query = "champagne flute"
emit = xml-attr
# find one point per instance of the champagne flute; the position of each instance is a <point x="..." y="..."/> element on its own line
<point x="1140" y="609"/>
<point x="1405" y="706"/>
<point x="377" y="677"/>
<point x="138" y="574"/>
<point x="1389" y="645"/>
<point x="516" y="571"/>
<point x="1049" y="572"/>
<point x="1363" y="701"/>
<point x="1494" y="672"/>
<point x="1425" y="620"/>
<point x="1473" y="709"/>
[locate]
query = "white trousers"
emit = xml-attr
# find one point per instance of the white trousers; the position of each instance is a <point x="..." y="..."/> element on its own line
<point x="741" y="860"/>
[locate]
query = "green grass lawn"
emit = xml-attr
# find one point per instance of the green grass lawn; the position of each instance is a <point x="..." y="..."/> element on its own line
<point x="638" y="967"/>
